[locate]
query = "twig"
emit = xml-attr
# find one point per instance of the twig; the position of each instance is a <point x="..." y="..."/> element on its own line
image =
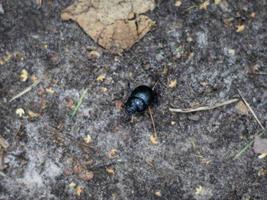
<point x="25" y="91"/>
<point x="79" y="103"/>
<point x="203" y="108"/>
<point x="155" y="84"/>
<point x="153" y="123"/>
<point x="250" y="109"/>
<point x="248" y="145"/>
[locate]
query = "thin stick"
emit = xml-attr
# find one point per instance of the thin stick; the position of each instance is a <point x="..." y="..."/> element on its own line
<point x="248" y="145"/>
<point x="79" y="103"/>
<point x="25" y="91"/>
<point x="250" y="109"/>
<point x="153" y="123"/>
<point x="203" y="108"/>
<point x="155" y="85"/>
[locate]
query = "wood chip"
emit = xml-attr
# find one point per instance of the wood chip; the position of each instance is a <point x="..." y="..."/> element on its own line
<point x="240" y="28"/>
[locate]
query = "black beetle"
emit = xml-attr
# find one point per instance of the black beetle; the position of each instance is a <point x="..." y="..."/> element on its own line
<point x="139" y="100"/>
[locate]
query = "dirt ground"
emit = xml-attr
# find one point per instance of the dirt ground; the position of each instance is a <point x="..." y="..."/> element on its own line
<point x="47" y="157"/>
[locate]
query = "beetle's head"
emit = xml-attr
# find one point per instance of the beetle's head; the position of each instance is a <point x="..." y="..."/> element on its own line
<point x="134" y="105"/>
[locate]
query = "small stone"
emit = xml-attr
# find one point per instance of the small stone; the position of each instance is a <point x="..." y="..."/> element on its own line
<point x="1" y="9"/>
<point x="193" y="117"/>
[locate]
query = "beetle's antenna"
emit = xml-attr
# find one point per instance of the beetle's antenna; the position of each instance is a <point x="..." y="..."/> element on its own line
<point x="153" y="123"/>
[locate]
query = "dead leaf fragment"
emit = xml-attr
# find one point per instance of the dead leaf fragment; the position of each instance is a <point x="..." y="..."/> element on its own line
<point x="260" y="145"/>
<point x="20" y="112"/>
<point x="262" y="172"/>
<point x="24" y="75"/>
<point x="49" y="90"/>
<point x="103" y="89"/>
<point x="263" y="155"/>
<point x="154" y="140"/>
<point x="158" y="193"/>
<point x="110" y="170"/>
<point x="93" y="55"/>
<point x="79" y="190"/>
<point x="34" y="78"/>
<point x="172" y="83"/>
<point x="113" y="153"/>
<point x="115" y="25"/>
<point x="87" y="139"/>
<point x="33" y="114"/>
<point x="253" y="15"/>
<point x="204" y="5"/>
<point x="178" y="3"/>
<point x="240" y="28"/>
<point x="72" y="185"/>
<point x="242" y="108"/>
<point x="101" y="77"/>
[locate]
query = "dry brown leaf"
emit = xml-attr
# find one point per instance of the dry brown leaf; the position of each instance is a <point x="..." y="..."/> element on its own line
<point x="103" y="89"/>
<point x="154" y="140"/>
<point x="172" y="83"/>
<point x="204" y="5"/>
<point x="49" y="90"/>
<point x="262" y="172"/>
<point x="262" y="155"/>
<point x="101" y="77"/>
<point x="242" y="108"/>
<point x="79" y="190"/>
<point x="240" y="28"/>
<point x="87" y="139"/>
<point x="178" y="3"/>
<point x="158" y="193"/>
<point x="20" y="112"/>
<point x="260" y="145"/>
<point x="113" y="153"/>
<point x="92" y="55"/>
<point x="33" y="114"/>
<point x="34" y="78"/>
<point x="253" y="15"/>
<point x="115" y="25"/>
<point x="110" y="170"/>
<point x="24" y="75"/>
<point x="72" y="185"/>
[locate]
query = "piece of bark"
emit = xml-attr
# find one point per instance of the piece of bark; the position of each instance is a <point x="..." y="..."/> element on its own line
<point x="114" y="24"/>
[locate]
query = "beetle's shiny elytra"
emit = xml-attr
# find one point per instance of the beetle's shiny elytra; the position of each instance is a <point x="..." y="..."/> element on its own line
<point x="140" y="99"/>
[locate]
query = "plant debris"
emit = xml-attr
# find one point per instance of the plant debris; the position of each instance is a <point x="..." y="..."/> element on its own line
<point x="203" y="108"/>
<point x="115" y="25"/>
